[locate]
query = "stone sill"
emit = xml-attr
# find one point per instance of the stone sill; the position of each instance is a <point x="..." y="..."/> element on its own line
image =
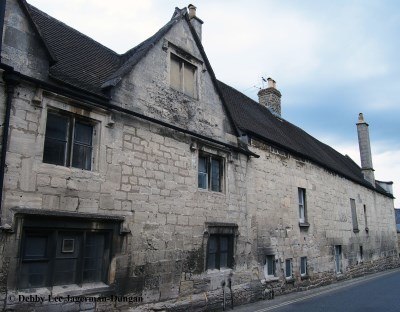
<point x="271" y="279"/>
<point x="290" y="280"/>
<point x="207" y="191"/>
<point x="219" y="271"/>
<point x="73" y="172"/>
<point x="304" y="277"/>
<point x="356" y="231"/>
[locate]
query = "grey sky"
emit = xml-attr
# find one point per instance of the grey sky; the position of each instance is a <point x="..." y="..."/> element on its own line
<point x="331" y="59"/>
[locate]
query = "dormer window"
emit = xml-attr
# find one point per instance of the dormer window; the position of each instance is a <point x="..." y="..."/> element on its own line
<point x="183" y="76"/>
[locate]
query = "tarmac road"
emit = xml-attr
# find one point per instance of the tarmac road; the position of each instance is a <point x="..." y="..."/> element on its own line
<point x="371" y="293"/>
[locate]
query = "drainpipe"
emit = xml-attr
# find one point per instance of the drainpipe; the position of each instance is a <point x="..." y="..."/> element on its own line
<point x="11" y="80"/>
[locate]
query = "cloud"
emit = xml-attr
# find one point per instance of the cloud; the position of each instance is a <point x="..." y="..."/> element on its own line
<point x="331" y="60"/>
<point x="385" y="160"/>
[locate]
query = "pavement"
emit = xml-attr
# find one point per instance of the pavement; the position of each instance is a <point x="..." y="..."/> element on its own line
<point x="286" y="300"/>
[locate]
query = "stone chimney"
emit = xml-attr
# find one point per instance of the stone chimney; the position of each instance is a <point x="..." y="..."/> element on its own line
<point x="194" y="20"/>
<point x="365" y="150"/>
<point x="271" y="97"/>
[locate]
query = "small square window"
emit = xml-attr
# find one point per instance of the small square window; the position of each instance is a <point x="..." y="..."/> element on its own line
<point x="303" y="266"/>
<point x="68" y="245"/>
<point x="68" y="141"/>
<point x="210" y="172"/>
<point x="183" y="76"/>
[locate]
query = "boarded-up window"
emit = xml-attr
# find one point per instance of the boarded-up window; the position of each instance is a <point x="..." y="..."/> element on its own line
<point x="183" y="76"/>
<point x="354" y="214"/>
<point x="55" y="257"/>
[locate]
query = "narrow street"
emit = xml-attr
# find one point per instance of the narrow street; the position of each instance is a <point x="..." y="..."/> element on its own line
<point x="377" y="292"/>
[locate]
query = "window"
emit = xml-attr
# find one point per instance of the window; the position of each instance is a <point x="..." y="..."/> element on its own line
<point x="68" y="141"/>
<point x="303" y="266"/>
<point x="338" y="259"/>
<point x="269" y="266"/>
<point x="220" y="251"/>
<point x="61" y="257"/>
<point x="210" y="173"/>
<point x="366" y="218"/>
<point x="288" y="268"/>
<point x="183" y="76"/>
<point x="302" y="206"/>
<point x="354" y="215"/>
<point x="361" y="254"/>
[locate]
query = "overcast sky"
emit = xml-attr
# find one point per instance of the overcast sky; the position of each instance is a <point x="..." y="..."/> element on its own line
<point x="331" y="59"/>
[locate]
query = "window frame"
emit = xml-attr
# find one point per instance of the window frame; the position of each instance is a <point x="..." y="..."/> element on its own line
<point x="365" y="218"/>
<point x="182" y="64"/>
<point x="71" y="140"/>
<point x="354" y="218"/>
<point x="290" y="262"/>
<point x="103" y="231"/>
<point x="229" y="252"/>
<point x="360" y="254"/>
<point x="209" y="158"/>
<point x="302" y="207"/>
<point x="338" y="259"/>
<point x="303" y="266"/>
<point x="267" y="266"/>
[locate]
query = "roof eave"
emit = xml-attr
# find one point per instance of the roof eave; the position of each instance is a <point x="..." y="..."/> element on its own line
<point x="296" y="153"/>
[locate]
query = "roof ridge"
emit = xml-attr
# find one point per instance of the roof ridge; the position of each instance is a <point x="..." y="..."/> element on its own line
<point x="31" y="7"/>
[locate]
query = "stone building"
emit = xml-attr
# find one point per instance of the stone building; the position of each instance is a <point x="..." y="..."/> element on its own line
<point x="143" y="179"/>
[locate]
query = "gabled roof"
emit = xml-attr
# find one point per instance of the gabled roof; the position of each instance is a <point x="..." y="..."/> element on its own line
<point x="134" y="55"/>
<point x="257" y="121"/>
<point x="87" y="64"/>
<point x="80" y="61"/>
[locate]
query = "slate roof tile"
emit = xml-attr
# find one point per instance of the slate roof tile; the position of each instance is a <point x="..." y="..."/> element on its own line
<point x="81" y="61"/>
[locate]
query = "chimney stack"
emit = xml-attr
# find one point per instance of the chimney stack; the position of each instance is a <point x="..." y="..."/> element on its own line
<point x="194" y="20"/>
<point x="365" y="150"/>
<point x="271" y="97"/>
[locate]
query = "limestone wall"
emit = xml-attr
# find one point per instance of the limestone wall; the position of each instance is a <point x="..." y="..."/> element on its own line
<point x="273" y="202"/>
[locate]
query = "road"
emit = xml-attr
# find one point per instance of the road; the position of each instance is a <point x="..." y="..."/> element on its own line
<point x="378" y="292"/>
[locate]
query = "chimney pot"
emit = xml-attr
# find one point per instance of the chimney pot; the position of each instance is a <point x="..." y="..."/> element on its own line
<point x="194" y="20"/>
<point x="192" y="11"/>
<point x="361" y="118"/>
